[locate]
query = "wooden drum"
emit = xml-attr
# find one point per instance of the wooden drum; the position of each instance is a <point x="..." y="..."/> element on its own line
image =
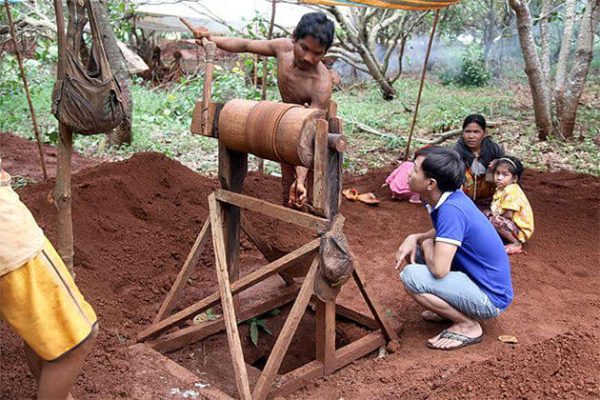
<point x="271" y="130"/>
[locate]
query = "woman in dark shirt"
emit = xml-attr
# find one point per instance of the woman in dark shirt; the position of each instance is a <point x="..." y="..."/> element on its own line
<point x="477" y="151"/>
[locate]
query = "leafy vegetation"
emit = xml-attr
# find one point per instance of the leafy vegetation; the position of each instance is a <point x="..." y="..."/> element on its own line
<point x="162" y="118"/>
<point x="259" y="323"/>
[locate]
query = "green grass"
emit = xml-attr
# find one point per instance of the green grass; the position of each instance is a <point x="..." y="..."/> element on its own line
<point x="162" y="119"/>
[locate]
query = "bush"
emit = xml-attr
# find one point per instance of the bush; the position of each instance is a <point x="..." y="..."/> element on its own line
<point x="472" y="72"/>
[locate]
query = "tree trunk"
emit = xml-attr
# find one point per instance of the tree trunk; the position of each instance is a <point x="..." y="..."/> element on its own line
<point x="490" y="29"/>
<point x="568" y="100"/>
<point x="122" y="133"/>
<point x="565" y="47"/>
<point x="545" y="48"/>
<point x="533" y="69"/>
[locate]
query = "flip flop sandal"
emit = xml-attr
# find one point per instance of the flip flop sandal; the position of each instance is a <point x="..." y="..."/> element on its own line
<point x="510" y="250"/>
<point x="464" y="340"/>
<point x="351" y="194"/>
<point x="368" y="198"/>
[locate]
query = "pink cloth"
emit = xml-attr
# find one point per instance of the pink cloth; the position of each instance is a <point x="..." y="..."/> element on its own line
<point x="398" y="182"/>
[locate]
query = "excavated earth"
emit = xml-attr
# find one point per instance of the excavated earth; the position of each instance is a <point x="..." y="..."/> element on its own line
<point x="136" y="220"/>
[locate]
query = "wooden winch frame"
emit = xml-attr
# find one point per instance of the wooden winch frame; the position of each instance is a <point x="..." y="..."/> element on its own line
<point x="223" y="225"/>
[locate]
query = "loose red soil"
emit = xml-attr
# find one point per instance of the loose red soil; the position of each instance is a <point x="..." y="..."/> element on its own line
<point x="135" y="221"/>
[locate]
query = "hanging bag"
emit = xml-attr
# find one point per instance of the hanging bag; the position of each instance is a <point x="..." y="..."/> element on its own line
<point x="88" y="100"/>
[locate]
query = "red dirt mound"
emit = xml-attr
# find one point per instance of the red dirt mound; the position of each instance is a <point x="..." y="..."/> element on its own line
<point x="21" y="157"/>
<point x="136" y="220"/>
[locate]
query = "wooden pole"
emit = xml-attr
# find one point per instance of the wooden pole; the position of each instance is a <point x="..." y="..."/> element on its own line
<point x="36" y="130"/>
<point x="265" y="75"/>
<point x="227" y="300"/>
<point x="62" y="190"/>
<point x="423" y="73"/>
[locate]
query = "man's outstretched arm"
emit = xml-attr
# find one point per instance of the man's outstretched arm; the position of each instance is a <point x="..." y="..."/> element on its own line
<point x="240" y="45"/>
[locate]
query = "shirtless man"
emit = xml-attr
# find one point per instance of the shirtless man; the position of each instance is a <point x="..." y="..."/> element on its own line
<point x="301" y="76"/>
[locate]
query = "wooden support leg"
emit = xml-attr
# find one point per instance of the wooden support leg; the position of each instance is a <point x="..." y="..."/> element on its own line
<point x="233" y="167"/>
<point x="185" y="272"/>
<point x="62" y="197"/>
<point x="265" y="382"/>
<point x="233" y="336"/>
<point x="325" y="340"/>
<point x="335" y="162"/>
<point x="320" y="168"/>
<point x="372" y="301"/>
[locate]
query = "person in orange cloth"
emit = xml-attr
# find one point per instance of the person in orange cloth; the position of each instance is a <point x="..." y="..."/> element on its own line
<point x="40" y="301"/>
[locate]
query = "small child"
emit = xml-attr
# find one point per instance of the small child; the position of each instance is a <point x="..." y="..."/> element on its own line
<point x="398" y="183"/>
<point x="510" y="211"/>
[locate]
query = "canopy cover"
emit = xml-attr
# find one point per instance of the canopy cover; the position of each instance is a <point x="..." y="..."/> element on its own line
<point x="398" y="4"/>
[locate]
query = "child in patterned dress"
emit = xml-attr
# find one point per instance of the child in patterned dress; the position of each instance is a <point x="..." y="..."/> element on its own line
<point x="510" y="211"/>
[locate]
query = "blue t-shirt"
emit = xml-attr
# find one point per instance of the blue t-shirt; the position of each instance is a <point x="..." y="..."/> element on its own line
<point x="480" y="252"/>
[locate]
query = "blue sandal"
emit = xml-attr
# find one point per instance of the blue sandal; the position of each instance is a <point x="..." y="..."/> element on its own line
<point x="464" y="340"/>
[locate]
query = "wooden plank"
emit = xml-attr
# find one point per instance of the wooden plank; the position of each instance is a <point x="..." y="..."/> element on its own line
<point x="276" y="211"/>
<point x="325" y="334"/>
<point x="265" y="382"/>
<point x="320" y="167"/>
<point x="299" y="377"/>
<point x="176" y="340"/>
<point x="356" y="316"/>
<point x="233" y="167"/>
<point x="359" y="348"/>
<point x="335" y="161"/>
<point x="214" y="108"/>
<point x="332" y="109"/>
<point x="371" y="300"/>
<point x="233" y="336"/>
<point x="184" y="274"/>
<point x="296" y="379"/>
<point x="196" y="126"/>
<point x="245" y="282"/>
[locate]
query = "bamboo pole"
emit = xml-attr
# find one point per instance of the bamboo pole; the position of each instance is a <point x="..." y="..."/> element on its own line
<point x="423" y="73"/>
<point x="36" y="130"/>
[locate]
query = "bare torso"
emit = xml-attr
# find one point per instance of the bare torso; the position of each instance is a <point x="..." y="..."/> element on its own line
<point x="312" y="88"/>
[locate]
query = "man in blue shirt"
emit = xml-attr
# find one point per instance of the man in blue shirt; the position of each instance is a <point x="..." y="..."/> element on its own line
<point x="458" y="270"/>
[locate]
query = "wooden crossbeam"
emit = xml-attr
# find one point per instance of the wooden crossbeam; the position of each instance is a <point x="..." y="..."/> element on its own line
<point x="297" y="378"/>
<point x="243" y="283"/>
<point x="276" y="211"/>
<point x="233" y="336"/>
<point x="176" y="340"/>
<point x="265" y="382"/>
<point x="356" y="317"/>
<point x="184" y="274"/>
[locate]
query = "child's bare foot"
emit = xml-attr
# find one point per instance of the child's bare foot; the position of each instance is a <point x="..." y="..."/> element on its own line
<point x="431" y="316"/>
<point x="513" y="249"/>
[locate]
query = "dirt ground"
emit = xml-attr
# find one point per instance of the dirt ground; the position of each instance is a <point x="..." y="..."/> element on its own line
<point x="135" y="221"/>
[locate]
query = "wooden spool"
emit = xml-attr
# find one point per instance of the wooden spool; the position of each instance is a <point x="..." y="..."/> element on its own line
<point x="271" y="130"/>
